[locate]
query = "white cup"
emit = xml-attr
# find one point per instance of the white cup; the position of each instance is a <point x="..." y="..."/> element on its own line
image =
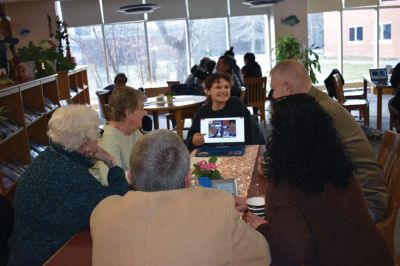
<point x="256" y="205"/>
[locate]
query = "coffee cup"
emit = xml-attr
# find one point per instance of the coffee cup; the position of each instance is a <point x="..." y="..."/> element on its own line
<point x="256" y="205"/>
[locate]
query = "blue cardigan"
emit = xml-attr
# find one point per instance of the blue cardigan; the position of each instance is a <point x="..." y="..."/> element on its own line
<point x="54" y="200"/>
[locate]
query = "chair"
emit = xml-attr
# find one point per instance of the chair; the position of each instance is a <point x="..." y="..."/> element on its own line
<point x="351" y="104"/>
<point x="389" y="158"/>
<point x="103" y="96"/>
<point x="243" y="93"/>
<point x="256" y="90"/>
<point x="352" y="93"/>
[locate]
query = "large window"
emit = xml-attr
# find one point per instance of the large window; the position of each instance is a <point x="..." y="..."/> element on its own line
<point x="168" y="51"/>
<point x="324" y="39"/>
<point x="358" y="51"/>
<point x="253" y="39"/>
<point x="126" y="52"/>
<point x="88" y="50"/>
<point x="208" y="37"/>
<point x="389" y="38"/>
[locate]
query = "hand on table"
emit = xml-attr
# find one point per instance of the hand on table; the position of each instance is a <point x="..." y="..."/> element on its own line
<point x="241" y="204"/>
<point x="254" y="220"/>
<point x="198" y="139"/>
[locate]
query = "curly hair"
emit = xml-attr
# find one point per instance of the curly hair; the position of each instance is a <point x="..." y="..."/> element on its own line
<point x="304" y="148"/>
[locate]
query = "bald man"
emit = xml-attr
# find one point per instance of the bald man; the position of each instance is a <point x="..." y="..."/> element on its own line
<point x="290" y="77"/>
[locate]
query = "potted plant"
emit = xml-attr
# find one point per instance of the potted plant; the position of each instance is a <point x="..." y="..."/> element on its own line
<point x="170" y="96"/>
<point x="290" y="48"/>
<point x="205" y="171"/>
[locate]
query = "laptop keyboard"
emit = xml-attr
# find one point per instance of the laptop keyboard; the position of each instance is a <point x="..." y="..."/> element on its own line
<point x="208" y="151"/>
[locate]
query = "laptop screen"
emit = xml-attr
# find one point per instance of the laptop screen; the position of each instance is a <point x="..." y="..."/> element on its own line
<point x="378" y="73"/>
<point x="223" y="130"/>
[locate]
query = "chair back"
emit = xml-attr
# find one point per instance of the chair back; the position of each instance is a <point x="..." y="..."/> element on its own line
<point x="170" y="83"/>
<point x="153" y="92"/>
<point x="338" y="84"/>
<point x="103" y="96"/>
<point x="389" y="158"/>
<point x="243" y="93"/>
<point x="256" y="91"/>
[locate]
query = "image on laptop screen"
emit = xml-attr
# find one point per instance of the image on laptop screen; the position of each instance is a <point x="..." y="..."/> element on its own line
<point x="223" y="130"/>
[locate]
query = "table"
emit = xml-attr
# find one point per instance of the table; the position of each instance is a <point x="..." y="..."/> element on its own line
<point x="379" y="88"/>
<point x="78" y="250"/>
<point x="180" y="103"/>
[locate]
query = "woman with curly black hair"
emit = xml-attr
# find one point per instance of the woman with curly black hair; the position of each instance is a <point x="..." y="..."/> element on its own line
<point x="316" y="212"/>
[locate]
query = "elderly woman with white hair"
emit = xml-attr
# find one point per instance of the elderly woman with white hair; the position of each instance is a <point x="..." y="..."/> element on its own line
<point x="57" y="193"/>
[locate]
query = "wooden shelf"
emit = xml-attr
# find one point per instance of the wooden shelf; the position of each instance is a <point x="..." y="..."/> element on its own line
<point x="34" y="94"/>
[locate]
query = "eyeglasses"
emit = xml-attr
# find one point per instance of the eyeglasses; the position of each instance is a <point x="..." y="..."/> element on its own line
<point x="100" y="133"/>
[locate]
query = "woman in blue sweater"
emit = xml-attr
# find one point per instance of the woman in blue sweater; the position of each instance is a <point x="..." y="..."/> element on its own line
<point x="57" y="193"/>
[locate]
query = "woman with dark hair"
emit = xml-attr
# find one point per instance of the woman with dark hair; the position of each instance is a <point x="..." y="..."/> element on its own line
<point x="316" y="212"/>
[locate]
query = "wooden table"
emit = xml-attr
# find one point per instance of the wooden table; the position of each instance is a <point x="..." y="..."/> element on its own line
<point x="379" y="88"/>
<point x="180" y="103"/>
<point x="78" y="250"/>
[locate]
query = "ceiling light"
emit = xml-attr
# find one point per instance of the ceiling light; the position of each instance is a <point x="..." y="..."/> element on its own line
<point x="260" y="3"/>
<point x="138" y="8"/>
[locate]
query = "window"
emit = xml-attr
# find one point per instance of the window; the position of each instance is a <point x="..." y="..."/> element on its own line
<point x="253" y="39"/>
<point x="356" y="34"/>
<point x="126" y="52"/>
<point x="168" y="51"/>
<point x="208" y="37"/>
<point x="89" y="50"/>
<point x="82" y="31"/>
<point x="385" y="31"/>
<point x="323" y="38"/>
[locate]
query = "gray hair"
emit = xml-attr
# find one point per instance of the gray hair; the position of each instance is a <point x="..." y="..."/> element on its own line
<point x="71" y="125"/>
<point x="159" y="161"/>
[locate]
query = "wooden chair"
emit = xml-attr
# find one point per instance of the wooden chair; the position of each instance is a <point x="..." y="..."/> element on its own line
<point x="389" y="158"/>
<point x="243" y="93"/>
<point x="351" y="104"/>
<point x="102" y="96"/>
<point x="256" y="91"/>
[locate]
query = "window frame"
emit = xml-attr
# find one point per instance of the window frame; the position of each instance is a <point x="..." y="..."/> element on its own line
<point x="356" y="27"/>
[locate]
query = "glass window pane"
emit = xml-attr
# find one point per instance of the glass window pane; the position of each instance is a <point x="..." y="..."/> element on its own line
<point x="351" y="34"/>
<point x="324" y="39"/>
<point x="168" y="52"/>
<point x="208" y="37"/>
<point x="126" y="51"/>
<point x="389" y="45"/>
<point x="358" y="56"/>
<point x="390" y="3"/>
<point x="359" y="33"/>
<point x="253" y="39"/>
<point x="88" y="50"/>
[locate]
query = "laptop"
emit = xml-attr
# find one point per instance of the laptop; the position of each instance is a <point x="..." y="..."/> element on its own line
<point x="222" y="137"/>
<point x="378" y="75"/>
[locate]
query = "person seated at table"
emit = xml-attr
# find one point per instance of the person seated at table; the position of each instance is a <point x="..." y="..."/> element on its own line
<point x="290" y="77"/>
<point x="225" y="65"/>
<point x="251" y="69"/>
<point x="165" y="223"/>
<point x="192" y="78"/>
<point x="121" y="133"/>
<point x="316" y="212"/>
<point x="394" y="103"/>
<point x="56" y="195"/>
<point x="120" y="80"/>
<point x="221" y="104"/>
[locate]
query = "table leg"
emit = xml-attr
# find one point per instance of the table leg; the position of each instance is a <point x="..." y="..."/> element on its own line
<point x="379" y="108"/>
<point x="178" y="120"/>
<point x="365" y="88"/>
<point x="155" y="118"/>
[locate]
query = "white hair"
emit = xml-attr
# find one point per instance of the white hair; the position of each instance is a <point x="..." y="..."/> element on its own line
<point x="71" y="125"/>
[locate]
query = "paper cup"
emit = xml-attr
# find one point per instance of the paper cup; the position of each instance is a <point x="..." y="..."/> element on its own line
<point x="256" y="205"/>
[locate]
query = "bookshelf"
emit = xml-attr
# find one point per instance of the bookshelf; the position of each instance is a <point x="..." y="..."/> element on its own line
<point x="30" y="106"/>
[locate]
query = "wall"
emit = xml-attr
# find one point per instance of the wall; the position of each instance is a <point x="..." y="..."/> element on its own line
<point x="285" y="9"/>
<point x="32" y="16"/>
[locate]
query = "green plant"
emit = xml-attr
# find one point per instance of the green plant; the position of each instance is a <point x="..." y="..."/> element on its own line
<point x="290" y="48"/>
<point x="208" y="169"/>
